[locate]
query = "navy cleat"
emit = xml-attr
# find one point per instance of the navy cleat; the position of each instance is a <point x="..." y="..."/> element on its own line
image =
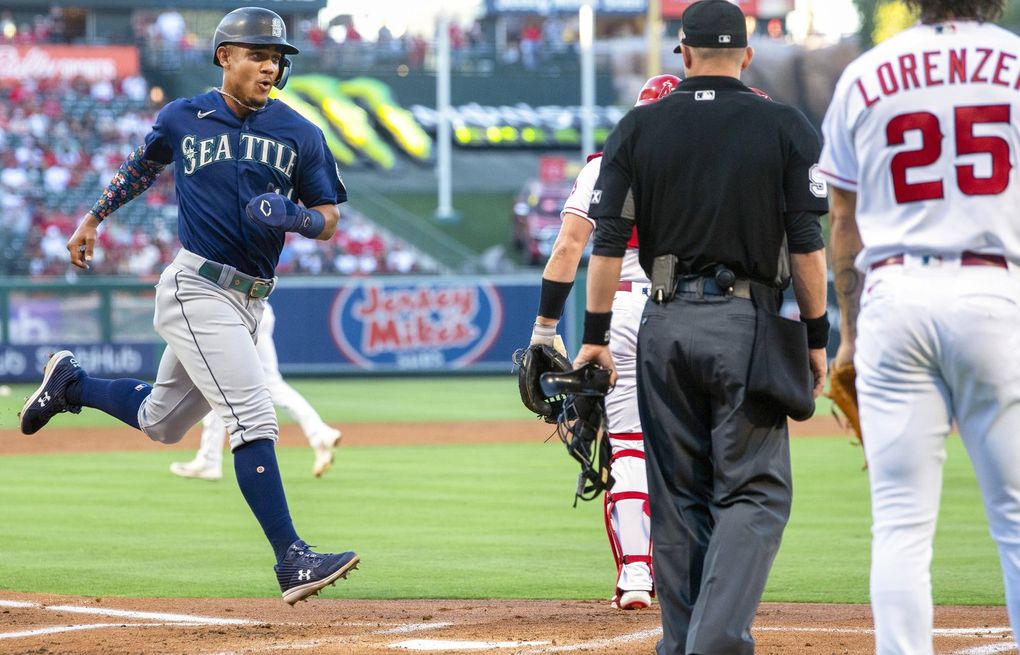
<point x="49" y="399"/>
<point x="303" y="573"/>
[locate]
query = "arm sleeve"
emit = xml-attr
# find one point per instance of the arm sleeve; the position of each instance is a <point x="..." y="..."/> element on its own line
<point x="136" y="175"/>
<point x="803" y="188"/>
<point x="612" y="199"/>
<point x="803" y="232"/>
<point x="320" y="182"/>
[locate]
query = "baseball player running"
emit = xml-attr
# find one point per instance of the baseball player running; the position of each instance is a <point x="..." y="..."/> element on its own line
<point x="241" y="160"/>
<point x="921" y="144"/>
<point x="626" y="504"/>
<point x="208" y="462"/>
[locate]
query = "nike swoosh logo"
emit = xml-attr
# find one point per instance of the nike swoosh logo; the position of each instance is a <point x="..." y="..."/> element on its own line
<point x="203" y="114"/>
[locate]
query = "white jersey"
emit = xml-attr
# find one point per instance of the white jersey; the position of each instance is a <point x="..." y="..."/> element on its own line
<point x="925" y="128"/>
<point x="578" y="203"/>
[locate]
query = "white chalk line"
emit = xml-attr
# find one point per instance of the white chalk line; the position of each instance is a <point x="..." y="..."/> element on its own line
<point x="310" y="644"/>
<point x="937" y="632"/>
<point x="161" y="618"/>
<point x="154" y="616"/>
<point x="988" y="650"/>
<point x="455" y="644"/>
<point x="598" y="643"/>
<point x="56" y="629"/>
<point x="413" y="627"/>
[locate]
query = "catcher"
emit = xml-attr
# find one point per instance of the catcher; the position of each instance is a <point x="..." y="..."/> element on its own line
<point x="626" y="499"/>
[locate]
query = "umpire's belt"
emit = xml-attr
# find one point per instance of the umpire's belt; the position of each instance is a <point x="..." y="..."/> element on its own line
<point x="707" y="286"/>
<point x="226" y="276"/>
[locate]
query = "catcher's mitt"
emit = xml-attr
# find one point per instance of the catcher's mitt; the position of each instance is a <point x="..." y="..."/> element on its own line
<point x="843" y="392"/>
<point x="533" y="361"/>
<point x="582" y="425"/>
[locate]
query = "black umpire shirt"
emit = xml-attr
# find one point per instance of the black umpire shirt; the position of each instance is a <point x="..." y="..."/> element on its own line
<point x="715" y="174"/>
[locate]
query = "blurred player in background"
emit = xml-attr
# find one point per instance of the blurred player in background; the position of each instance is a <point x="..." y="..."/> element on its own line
<point x="208" y="462"/>
<point x="626" y="503"/>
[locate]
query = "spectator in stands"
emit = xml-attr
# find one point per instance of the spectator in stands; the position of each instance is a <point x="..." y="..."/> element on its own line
<point x="170" y="26"/>
<point x="400" y="260"/>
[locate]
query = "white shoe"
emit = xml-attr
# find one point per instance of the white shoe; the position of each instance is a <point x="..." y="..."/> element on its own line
<point x="197" y="468"/>
<point x="323" y="446"/>
<point x="634" y="600"/>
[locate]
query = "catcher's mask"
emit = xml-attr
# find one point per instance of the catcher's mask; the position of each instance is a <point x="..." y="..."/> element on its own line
<point x="582" y="425"/>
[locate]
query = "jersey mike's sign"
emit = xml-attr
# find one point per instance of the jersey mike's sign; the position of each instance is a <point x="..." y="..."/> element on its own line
<point x="91" y="63"/>
<point x="414" y="326"/>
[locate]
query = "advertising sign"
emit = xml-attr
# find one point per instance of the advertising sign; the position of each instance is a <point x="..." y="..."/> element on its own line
<point x="67" y="62"/>
<point x="675" y="8"/>
<point x="24" y="363"/>
<point x="405" y="325"/>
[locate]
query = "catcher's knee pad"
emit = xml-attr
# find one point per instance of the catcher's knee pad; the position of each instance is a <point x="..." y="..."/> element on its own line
<point x="627" y="512"/>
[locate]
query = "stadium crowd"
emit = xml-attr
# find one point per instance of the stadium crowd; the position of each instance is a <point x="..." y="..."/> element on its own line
<point x="61" y="142"/>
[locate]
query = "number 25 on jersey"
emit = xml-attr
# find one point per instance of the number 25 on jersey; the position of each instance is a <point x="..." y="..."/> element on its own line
<point x="967" y="143"/>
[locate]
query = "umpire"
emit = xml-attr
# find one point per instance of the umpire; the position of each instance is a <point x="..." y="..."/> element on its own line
<point x="718" y="182"/>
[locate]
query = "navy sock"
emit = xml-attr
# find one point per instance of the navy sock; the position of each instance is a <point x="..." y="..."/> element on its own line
<point x="258" y="476"/>
<point x="118" y="398"/>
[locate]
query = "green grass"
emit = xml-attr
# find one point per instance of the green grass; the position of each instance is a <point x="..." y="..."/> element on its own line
<point x="465" y="521"/>
<point x="356" y="400"/>
<point x="484" y="217"/>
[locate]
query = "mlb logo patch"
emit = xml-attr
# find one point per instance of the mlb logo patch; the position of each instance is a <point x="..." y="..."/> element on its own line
<point x="707" y="94"/>
<point x="725" y="38"/>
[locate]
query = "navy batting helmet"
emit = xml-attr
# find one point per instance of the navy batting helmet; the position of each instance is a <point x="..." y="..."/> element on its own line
<point x="255" y="26"/>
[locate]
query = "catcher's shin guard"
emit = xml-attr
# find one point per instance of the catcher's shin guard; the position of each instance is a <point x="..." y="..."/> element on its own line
<point x="627" y="515"/>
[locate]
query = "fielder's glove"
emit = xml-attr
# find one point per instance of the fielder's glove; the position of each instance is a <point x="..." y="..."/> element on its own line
<point x="533" y="361"/>
<point x="843" y="392"/>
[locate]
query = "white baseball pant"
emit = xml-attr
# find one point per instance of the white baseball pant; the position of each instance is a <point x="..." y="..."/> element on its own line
<point x="937" y="341"/>
<point x="626" y="504"/>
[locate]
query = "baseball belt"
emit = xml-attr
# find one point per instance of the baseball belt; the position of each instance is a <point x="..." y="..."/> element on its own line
<point x="253" y="287"/>
<point x="707" y="286"/>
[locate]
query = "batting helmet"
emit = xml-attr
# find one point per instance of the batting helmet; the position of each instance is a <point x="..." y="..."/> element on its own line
<point x="258" y="27"/>
<point x="656" y="88"/>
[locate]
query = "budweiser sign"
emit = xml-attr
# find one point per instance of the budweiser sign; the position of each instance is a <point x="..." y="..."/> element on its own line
<point x="67" y="62"/>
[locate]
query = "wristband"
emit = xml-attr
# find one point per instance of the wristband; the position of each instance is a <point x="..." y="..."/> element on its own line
<point x="817" y="331"/>
<point x="310" y="223"/>
<point x="553" y="298"/>
<point x="596" y="328"/>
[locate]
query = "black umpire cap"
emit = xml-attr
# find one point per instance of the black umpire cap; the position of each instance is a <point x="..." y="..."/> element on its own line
<point x="713" y="24"/>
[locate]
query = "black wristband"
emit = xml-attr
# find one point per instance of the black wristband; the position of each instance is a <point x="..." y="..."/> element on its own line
<point x="596" y="328"/>
<point x="817" y="331"/>
<point x="553" y="298"/>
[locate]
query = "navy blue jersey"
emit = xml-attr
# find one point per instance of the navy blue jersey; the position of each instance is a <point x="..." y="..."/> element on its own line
<point x="222" y="161"/>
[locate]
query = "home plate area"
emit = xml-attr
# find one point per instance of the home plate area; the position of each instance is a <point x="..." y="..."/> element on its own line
<point x="33" y="623"/>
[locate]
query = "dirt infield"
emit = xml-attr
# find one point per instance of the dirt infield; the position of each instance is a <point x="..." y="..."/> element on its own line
<point x="61" y="624"/>
<point x="36" y="623"/>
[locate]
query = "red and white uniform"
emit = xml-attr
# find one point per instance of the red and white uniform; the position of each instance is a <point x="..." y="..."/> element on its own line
<point x="925" y="128"/>
<point x="627" y="519"/>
